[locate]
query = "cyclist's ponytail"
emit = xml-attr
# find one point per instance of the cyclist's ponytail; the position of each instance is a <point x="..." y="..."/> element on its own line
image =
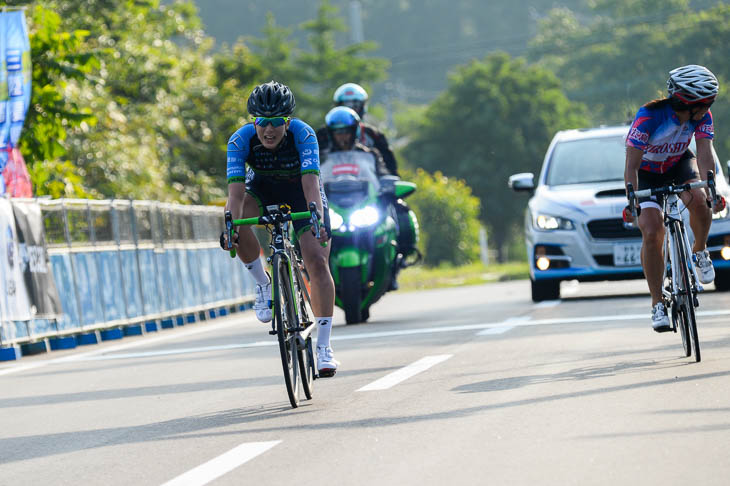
<point x="658" y="103"/>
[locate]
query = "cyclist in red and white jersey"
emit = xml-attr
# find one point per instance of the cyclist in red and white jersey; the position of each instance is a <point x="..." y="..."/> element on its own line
<point x="657" y="154"/>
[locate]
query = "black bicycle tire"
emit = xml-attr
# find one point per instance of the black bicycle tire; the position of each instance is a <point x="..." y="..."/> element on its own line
<point x="306" y="353"/>
<point x="688" y="304"/>
<point x="680" y="299"/>
<point x="282" y="287"/>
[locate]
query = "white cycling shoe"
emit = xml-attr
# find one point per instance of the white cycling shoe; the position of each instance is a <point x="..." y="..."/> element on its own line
<point x="659" y="318"/>
<point x="262" y="305"/>
<point x="705" y="269"/>
<point x="326" y="362"/>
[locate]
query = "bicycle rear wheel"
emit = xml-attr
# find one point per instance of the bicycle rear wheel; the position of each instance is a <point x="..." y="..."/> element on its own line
<point x="286" y="321"/>
<point x="687" y="297"/>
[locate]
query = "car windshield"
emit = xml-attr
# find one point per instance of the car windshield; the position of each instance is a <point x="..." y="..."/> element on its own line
<point x="588" y="160"/>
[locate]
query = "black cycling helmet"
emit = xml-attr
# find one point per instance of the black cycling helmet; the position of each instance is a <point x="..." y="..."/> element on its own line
<point x="271" y="99"/>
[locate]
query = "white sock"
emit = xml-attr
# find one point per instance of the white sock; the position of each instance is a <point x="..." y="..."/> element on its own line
<point x="324" y="329"/>
<point x="257" y="271"/>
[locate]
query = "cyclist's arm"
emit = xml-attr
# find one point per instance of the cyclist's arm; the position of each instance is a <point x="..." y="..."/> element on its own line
<point x="633" y="161"/>
<point x="705" y="159"/>
<point x="238" y="148"/>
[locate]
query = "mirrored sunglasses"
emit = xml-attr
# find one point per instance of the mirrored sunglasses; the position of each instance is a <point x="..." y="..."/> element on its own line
<point x="275" y="121"/>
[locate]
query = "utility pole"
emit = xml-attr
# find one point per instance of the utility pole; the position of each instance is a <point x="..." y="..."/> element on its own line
<point x="356" y="32"/>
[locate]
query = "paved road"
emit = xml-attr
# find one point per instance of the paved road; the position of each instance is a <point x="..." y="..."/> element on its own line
<point x="472" y="385"/>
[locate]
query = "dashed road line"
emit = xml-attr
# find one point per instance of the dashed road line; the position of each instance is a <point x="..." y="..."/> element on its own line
<point x="404" y="373"/>
<point x="222" y="464"/>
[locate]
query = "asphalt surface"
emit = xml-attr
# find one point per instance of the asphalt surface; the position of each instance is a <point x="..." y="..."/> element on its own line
<point x="473" y="385"/>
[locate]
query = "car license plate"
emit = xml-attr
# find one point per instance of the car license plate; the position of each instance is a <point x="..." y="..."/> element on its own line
<point x="627" y="254"/>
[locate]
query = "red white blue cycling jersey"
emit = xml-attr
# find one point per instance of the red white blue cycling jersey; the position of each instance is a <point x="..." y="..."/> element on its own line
<point x="663" y="138"/>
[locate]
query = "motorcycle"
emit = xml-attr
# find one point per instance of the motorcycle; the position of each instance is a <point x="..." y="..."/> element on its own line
<point x="364" y="224"/>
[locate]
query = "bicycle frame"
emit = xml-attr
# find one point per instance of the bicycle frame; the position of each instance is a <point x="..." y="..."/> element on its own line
<point x="672" y="214"/>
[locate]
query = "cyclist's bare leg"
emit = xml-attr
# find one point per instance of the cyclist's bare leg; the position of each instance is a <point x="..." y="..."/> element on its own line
<point x="248" y="246"/>
<point x="700" y="216"/>
<point x="316" y="260"/>
<point x="652" y="260"/>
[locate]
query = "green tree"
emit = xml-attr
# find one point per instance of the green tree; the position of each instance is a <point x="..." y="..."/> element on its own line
<point x="61" y="62"/>
<point x="496" y="118"/>
<point x="619" y="58"/>
<point x="448" y="216"/>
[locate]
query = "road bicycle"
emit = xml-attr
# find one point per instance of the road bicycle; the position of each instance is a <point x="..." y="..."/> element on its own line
<point x="680" y="282"/>
<point x="292" y="321"/>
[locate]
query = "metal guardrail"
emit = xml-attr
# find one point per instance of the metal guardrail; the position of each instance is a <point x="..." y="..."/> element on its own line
<point x="122" y="262"/>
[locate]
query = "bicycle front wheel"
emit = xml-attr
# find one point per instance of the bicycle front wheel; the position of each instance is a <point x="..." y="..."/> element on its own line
<point x="687" y="297"/>
<point x="306" y="352"/>
<point x="286" y="322"/>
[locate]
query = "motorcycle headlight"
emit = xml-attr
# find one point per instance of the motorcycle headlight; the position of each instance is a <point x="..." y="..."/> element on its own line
<point x="335" y="220"/>
<point x="545" y="222"/>
<point x="366" y="216"/>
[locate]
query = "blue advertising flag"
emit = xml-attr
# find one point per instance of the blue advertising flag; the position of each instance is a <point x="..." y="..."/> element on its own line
<point x="17" y="60"/>
<point x="4" y="123"/>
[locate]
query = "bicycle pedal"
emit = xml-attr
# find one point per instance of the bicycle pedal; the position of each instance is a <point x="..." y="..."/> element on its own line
<point x="696" y="302"/>
<point x="272" y="333"/>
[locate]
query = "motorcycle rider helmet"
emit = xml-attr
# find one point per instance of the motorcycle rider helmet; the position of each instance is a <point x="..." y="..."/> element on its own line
<point x="271" y="99"/>
<point x="692" y="84"/>
<point x="352" y="95"/>
<point x="342" y="118"/>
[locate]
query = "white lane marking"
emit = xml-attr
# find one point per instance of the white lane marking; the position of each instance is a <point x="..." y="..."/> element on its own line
<point x="93" y="355"/>
<point x="222" y="464"/>
<point x="404" y="373"/>
<point x="168" y="352"/>
<point x="181" y="333"/>
<point x="495" y="330"/>
<point x="546" y="303"/>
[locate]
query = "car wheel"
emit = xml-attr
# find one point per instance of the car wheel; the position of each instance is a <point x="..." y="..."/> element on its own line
<point x="545" y="290"/>
<point x="722" y="280"/>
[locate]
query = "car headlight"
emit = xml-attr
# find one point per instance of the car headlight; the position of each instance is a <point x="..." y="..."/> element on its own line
<point x="366" y="216"/>
<point x="335" y="219"/>
<point x="545" y="222"/>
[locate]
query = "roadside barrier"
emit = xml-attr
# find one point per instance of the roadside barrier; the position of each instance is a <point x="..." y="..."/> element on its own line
<point x="119" y="268"/>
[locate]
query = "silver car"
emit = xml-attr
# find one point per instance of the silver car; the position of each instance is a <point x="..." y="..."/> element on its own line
<point x="573" y="224"/>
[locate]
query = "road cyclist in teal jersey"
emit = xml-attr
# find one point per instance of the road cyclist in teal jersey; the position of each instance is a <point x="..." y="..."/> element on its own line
<point x="274" y="160"/>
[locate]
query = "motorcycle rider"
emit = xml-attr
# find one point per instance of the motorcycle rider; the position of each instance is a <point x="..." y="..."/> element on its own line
<point x="343" y="127"/>
<point x="354" y="96"/>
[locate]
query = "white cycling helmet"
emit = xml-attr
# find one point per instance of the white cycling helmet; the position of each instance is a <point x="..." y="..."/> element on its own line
<point x="692" y="84"/>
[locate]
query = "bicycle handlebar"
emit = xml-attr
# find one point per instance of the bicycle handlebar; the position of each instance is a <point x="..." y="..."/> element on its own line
<point x="668" y="189"/>
<point x="278" y="217"/>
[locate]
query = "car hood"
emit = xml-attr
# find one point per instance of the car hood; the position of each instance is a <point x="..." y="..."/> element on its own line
<point x="580" y="201"/>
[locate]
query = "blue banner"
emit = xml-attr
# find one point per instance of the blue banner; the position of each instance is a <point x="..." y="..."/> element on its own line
<point x="17" y="60"/>
<point x="4" y="122"/>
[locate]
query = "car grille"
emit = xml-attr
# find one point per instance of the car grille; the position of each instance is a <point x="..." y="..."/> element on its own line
<point x="611" y="229"/>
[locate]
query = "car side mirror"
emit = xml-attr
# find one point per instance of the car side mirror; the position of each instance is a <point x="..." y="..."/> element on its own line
<point x="522" y="182"/>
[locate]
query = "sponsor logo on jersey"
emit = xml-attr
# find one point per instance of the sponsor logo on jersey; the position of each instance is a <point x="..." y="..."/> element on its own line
<point x="638" y="136"/>
<point x="708" y="128"/>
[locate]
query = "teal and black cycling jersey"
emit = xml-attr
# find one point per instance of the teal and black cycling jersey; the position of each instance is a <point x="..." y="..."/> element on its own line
<point x="298" y="154"/>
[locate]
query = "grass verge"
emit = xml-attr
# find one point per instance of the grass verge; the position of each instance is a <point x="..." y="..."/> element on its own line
<point x="421" y="277"/>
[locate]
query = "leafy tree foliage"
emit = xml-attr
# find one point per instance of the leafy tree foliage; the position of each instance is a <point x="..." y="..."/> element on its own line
<point x="621" y="57"/>
<point x="61" y="59"/>
<point x="496" y="118"/>
<point x="448" y="215"/>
